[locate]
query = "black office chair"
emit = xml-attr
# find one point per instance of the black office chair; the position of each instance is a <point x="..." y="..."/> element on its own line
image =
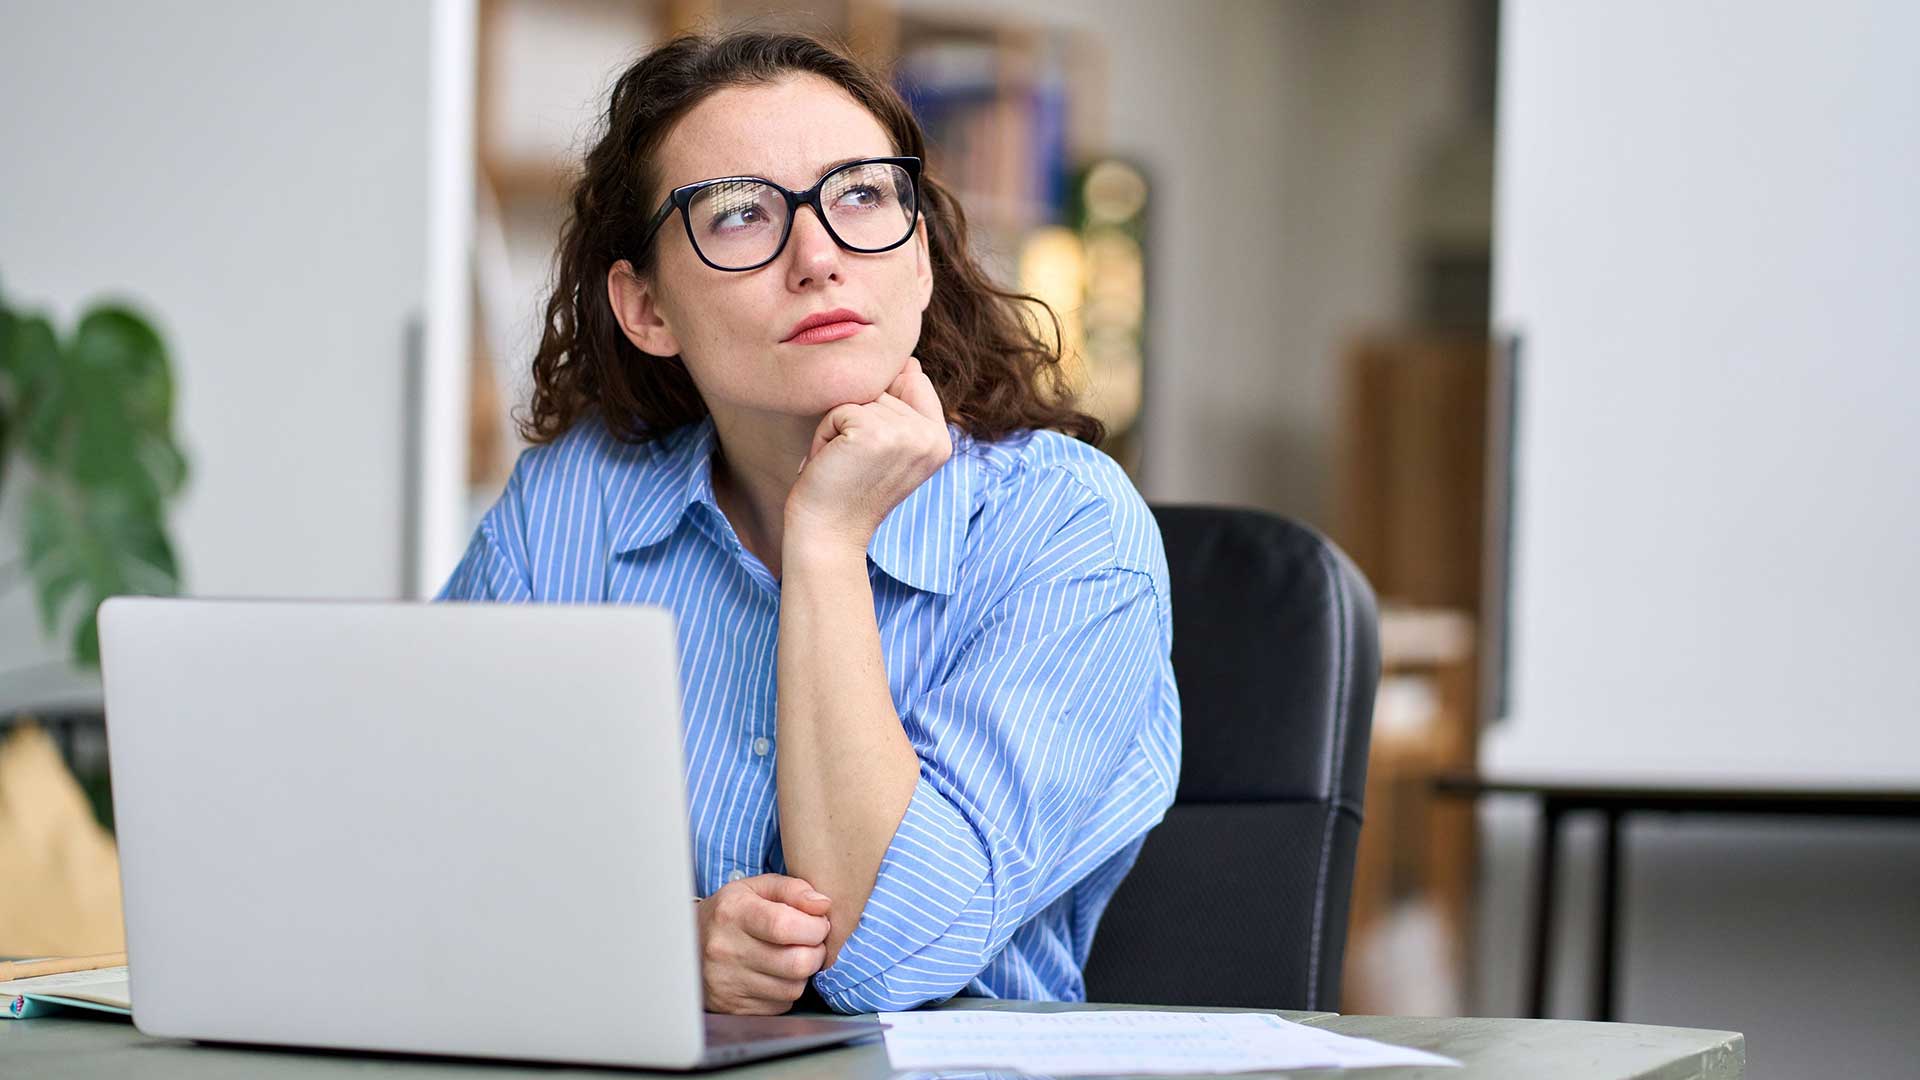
<point x="1240" y="896"/>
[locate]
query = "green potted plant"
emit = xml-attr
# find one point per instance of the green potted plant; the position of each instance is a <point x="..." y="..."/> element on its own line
<point x="86" y="429"/>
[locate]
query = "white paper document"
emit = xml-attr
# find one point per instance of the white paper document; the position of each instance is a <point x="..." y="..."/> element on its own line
<point x="1096" y="1043"/>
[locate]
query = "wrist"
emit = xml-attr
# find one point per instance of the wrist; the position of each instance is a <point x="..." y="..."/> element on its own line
<point x="804" y="538"/>
<point x="814" y="551"/>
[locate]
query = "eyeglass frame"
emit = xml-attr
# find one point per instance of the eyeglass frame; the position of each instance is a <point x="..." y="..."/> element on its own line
<point x="679" y="198"/>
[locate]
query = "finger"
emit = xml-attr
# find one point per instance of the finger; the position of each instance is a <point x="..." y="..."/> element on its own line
<point x="888" y="401"/>
<point x="783" y="961"/>
<point x="920" y="394"/>
<point x="753" y="993"/>
<point x="837" y="420"/>
<point x="791" y="890"/>
<point x="759" y="990"/>
<point x="905" y="375"/>
<point x="771" y="988"/>
<point x="777" y="923"/>
<point x="815" y="903"/>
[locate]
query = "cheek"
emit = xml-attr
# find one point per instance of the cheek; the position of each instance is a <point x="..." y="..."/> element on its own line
<point x="903" y="330"/>
<point x="721" y="326"/>
<point x="908" y="304"/>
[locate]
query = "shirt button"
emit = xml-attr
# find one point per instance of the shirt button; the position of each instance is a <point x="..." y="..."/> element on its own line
<point x="761" y="745"/>
<point x="736" y="875"/>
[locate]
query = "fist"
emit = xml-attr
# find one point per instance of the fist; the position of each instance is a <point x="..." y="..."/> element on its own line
<point x="866" y="457"/>
<point x="761" y="939"/>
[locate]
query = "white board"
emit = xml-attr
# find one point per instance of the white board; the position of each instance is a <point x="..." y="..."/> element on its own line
<point x="1708" y="244"/>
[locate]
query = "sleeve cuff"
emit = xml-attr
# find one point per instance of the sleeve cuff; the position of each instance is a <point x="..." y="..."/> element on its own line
<point x="934" y="886"/>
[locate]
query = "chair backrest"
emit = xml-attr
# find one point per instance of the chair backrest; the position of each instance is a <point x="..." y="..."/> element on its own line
<point x="1239" y="897"/>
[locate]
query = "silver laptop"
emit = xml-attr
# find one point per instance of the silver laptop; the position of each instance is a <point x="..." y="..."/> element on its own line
<point x="421" y="828"/>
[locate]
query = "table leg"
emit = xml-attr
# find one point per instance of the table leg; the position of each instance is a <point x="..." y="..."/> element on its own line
<point x="1606" y="992"/>
<point x="1545" y="859"/>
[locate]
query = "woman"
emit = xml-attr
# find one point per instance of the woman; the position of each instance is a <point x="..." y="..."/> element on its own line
<point x="804" y="422"/>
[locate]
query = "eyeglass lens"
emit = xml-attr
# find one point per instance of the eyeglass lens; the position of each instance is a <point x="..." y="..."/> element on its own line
<point x="740" y="223"/>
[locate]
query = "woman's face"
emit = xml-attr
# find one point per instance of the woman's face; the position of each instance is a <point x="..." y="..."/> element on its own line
<point x="730" y="329"/>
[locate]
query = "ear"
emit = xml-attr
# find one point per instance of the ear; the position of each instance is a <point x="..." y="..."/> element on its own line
<point x="636" y="306"/>
<point x="923" y="264"/>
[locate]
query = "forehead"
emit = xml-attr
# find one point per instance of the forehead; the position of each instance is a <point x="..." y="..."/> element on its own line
<point x="790" y="131"/>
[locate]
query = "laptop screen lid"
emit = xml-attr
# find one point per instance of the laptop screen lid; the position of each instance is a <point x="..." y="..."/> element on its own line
<point x="431" y="828"/>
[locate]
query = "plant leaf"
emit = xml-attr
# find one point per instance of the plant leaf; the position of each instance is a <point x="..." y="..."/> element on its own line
<point x="6" y="428"/>
<point x="86" y="639"/>
<point x="36" y="370"/>
<point x="93" y="543"/>
<point x="121" y="399"/>
<point x="95" y="418"/>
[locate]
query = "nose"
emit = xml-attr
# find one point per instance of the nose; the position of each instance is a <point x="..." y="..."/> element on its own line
<point x="816" y="257"/>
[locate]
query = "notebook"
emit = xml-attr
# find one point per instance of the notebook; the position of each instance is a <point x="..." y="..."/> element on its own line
<point x="104" y="989"/>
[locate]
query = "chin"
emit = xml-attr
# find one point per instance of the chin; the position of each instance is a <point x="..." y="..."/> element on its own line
<point x="822" y="382"/>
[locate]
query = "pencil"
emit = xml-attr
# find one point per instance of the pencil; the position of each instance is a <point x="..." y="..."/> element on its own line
<point x="55" y="965"/>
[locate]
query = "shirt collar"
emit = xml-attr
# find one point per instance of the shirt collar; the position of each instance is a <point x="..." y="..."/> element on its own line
<point x="919" y="543"/>
<point x="681" y="475"/>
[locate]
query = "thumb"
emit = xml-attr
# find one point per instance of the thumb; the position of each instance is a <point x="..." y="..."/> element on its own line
<point x="914" y="388"/>
<point x="791" y="891"/>
<point x="830" y="427"/>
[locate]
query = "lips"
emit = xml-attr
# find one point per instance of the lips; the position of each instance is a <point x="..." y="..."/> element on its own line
<point x="824" y="318"/>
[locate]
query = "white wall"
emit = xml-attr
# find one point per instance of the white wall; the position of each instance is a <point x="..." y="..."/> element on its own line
<point x="257" y="179"/>
<point x="1708" y="240"/>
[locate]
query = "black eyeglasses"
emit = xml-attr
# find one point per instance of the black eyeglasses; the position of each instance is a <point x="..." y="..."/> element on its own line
<point x="742" y="222"/>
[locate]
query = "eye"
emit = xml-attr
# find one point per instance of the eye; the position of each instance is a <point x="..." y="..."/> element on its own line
<point x="860" y="195"/>
<point x="736" y="207"/>
<point x="738" y="218"/>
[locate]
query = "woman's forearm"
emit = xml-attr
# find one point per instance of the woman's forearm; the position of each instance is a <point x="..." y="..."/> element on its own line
<point x="845" y="770"/>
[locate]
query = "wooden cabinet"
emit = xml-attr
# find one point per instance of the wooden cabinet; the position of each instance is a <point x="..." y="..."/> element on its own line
<point x="1412" y="505"/>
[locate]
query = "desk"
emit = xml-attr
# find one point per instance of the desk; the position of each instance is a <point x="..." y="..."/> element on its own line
<point x="1613" y="803"/>
<point x="85" y="1048"/>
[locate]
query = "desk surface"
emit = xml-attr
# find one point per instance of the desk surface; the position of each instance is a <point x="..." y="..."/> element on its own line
<point x="1730" y="797"/>
<point x="86" y="1048"/>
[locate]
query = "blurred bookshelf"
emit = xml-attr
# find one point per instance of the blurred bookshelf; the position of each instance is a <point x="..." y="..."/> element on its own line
<point x="1412" y="512"/>
<point x="1015" y="118"/>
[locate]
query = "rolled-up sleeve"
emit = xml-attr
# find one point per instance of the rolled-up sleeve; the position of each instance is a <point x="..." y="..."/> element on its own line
<point x="1023" y="785"/>
<point x="494" y="567"/>
<point x="486" y="573"/>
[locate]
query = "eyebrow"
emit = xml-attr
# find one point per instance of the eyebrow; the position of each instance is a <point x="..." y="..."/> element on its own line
<point x="822" y="171"/>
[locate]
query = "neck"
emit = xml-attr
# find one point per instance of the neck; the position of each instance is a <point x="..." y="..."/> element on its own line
<point x="757" y="463"/>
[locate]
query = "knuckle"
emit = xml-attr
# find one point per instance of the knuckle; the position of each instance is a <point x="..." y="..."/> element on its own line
<point x="814" y="959"/>
<point x="800" y="964"/>
<point x="787" y="924"/>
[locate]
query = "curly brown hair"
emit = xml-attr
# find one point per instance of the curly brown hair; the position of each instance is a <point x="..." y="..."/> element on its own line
<point x="983" y="352"/>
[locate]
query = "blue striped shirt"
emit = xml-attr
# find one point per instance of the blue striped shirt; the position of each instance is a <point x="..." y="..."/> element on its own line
<point x="1021" y="597"/>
